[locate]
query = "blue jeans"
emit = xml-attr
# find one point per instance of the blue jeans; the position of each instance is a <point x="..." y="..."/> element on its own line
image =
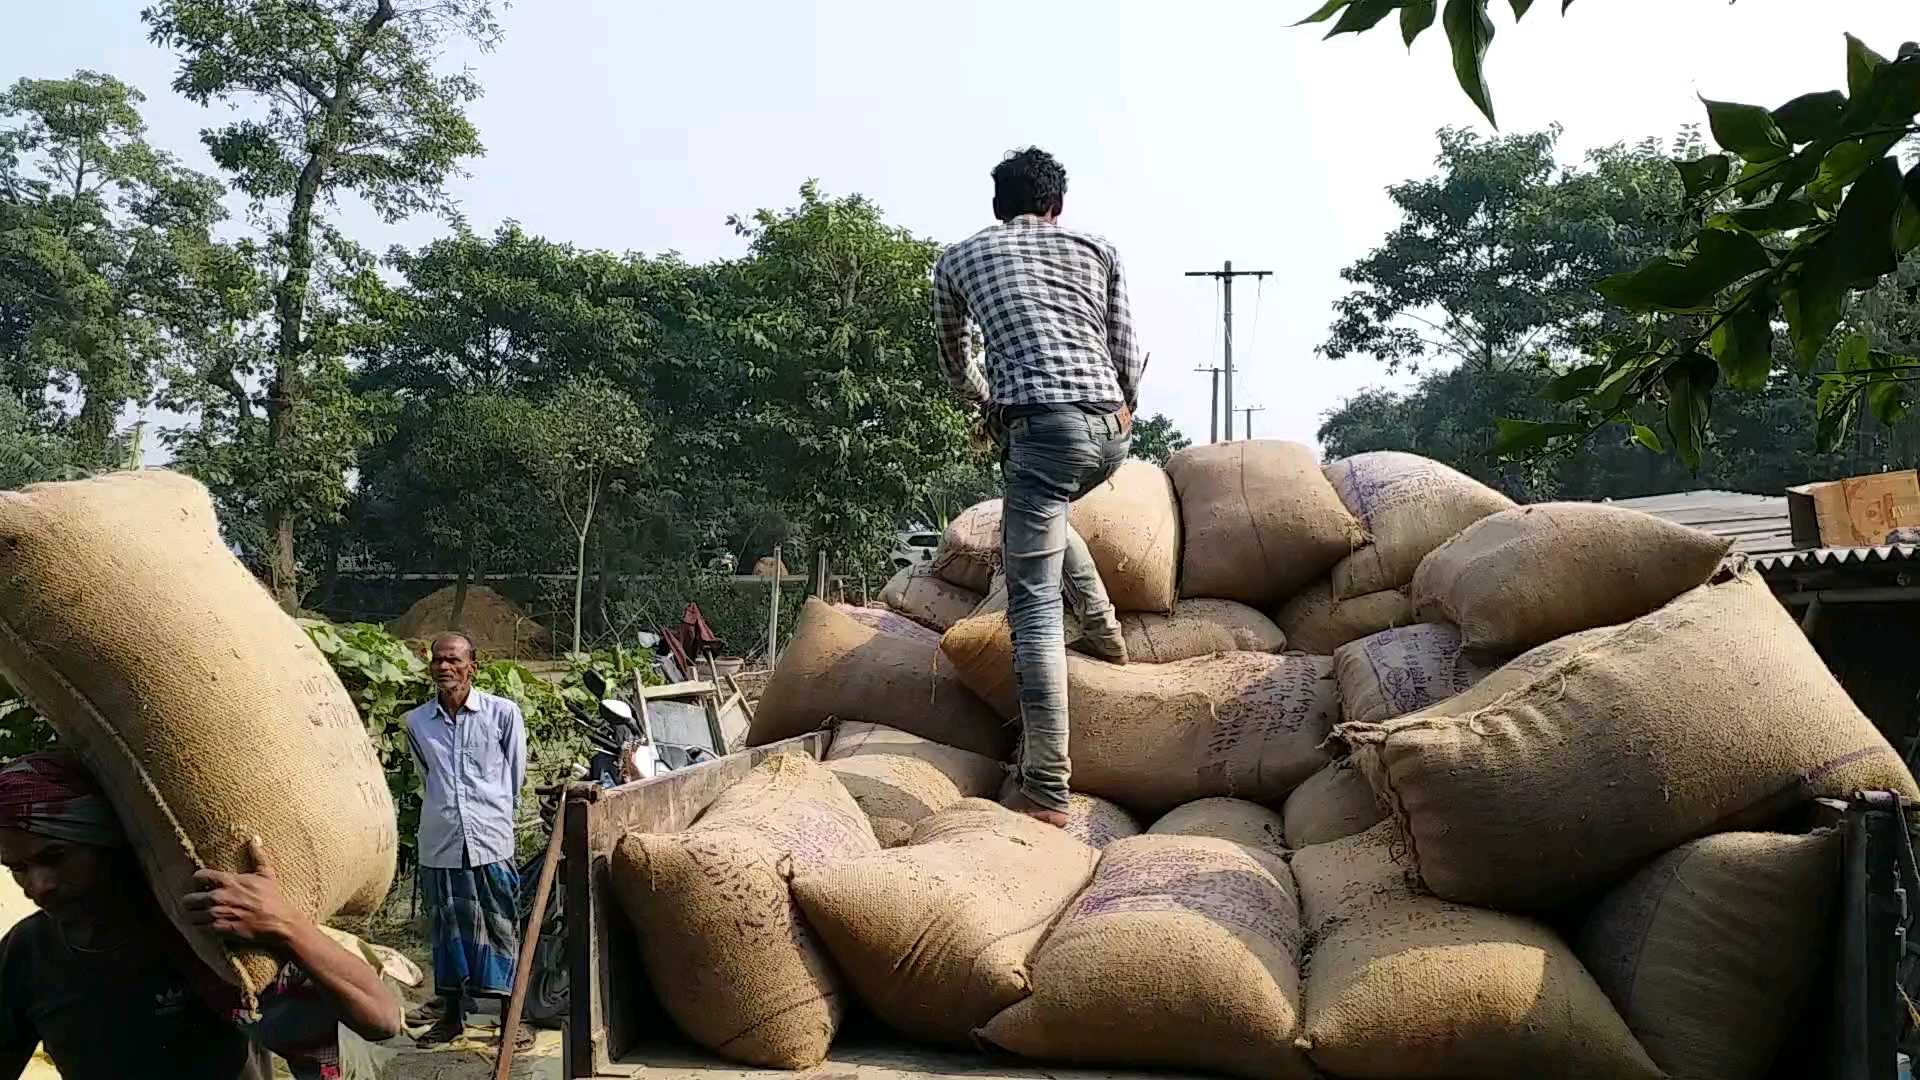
<point x="1052" y="458"/>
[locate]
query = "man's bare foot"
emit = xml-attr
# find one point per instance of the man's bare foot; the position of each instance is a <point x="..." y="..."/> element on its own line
<point x="1020" y="804"/>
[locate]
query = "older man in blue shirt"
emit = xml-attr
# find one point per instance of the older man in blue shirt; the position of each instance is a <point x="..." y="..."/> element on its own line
<point x="471" y="748"/>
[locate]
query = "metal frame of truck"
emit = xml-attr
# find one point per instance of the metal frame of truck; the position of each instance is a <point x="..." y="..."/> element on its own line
<point x="617" y="1029"/>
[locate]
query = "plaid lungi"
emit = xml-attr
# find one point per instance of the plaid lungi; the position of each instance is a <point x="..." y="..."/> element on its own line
<point x="476" y="928"/>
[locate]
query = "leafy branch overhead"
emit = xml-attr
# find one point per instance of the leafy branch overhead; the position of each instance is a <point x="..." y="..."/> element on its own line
<point x="1803" y="206"/>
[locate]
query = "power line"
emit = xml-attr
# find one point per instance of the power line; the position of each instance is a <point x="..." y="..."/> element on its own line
<point x="1225" y="276"/>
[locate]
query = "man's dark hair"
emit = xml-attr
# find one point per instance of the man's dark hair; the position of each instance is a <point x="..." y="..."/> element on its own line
<point x="1028" y="181"/>
<point x="452" y="635"/>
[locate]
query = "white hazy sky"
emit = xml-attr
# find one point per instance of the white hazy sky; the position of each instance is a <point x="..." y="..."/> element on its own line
<point x="1192" y="132"/>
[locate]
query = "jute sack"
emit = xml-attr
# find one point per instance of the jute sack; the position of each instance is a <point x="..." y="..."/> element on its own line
<point x="969" y="550"/>
<point x="1131" y="525"/>
<point x="1523" y="577"/>
<point x="724" y="947"/>
<point x="919" y="594"/>
<point x="1332" y="803"/>
<point x="898" y="778"/>
<point x="1260" y="519"/>
<point x="1153" y="736"/>
<point x="1403" y="985"/>
<point x="888" y="621"/>
<point x="935" y="936"/>
<point x="1710" y="715"/>
<point x="1710" y="951"/>
<point x="1197" y="628"/>
<point x="1182" y="954"/>
<point x="1409" y="505"/>
<point x="194" y="700"/>
<point x="1226" y="819"/>
<point x="1405" y="669"/>
<point x="836" y="667"/>
<point x="1316" y="622"/>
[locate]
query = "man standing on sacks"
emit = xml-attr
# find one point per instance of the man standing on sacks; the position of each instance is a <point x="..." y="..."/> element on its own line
<point x="1060" y="382"/>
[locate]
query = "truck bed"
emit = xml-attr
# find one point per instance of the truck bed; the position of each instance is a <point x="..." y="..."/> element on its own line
<point x="616" y="1028"/>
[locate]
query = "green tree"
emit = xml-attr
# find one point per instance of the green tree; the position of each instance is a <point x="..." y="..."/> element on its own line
<point x="1494" y="258"/>
<point x="587" y="441"/>
<point x="347" y="102"/>
<point x="1155" y="439"/>
<point x="103" y="240"/>
<point x="822" y="336"/>
<point x="1805" y="206"/>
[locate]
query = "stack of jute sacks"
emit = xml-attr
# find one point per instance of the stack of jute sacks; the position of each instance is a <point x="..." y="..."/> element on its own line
<point x="194" y="700"/>
<point x="1495" y="791"/>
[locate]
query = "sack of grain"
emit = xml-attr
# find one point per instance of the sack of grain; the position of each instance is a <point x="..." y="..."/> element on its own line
<point x="1153" y="736"/>
<point x="888" y="621"/>
<point x="1406" y="669"/>
<point x="1260" y="520"/>
<point x="1197" y="628"/>
<point x="1709" y="715"/>
<point x="1402" y="985"/>
<point x="919" y="594"/>
<point x="1710" y="951"/>
<point x="969" y="550"/>
<point x="194" y="700"/>
<point x="1316" y="622"/>
<point x="898" y="778"/>
<point x="1096" y="822"/>
<point x="1182" y="954"/>
<point x="1131" y="525"/>
<point x="1332" y="803"/>
<point x="836" y="667"/>
<point x="935" y="936"/>
<point x="1409" y="505"/>
<point x="1523" y="577"/>
<point x="1237" y="820"/>
<point x="722" y="942"/>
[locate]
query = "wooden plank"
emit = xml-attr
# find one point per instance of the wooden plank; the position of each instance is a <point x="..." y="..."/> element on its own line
<point x="613" y="1006"/>
<point x="877" y="1057"/>
<point x="690" y="688"/>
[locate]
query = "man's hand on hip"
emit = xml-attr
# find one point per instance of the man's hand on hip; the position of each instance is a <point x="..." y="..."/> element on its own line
<point x="1126" y="419"/>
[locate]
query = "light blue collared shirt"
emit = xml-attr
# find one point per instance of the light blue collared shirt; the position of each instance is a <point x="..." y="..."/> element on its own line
<point x="473" y="767"/>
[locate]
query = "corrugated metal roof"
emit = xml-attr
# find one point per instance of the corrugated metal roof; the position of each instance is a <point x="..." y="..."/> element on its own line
<point x="1759" y="527"/>
<point x="1757" y="524"/>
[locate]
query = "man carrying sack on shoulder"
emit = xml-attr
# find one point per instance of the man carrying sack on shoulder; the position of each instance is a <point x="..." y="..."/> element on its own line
<point x="1059" y="386"/>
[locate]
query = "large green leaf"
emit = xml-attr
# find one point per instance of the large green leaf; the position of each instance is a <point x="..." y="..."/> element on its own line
<point x="1646" y="437"/>
<point x="1812" y="308"/>
<point x="1906" y="228"/>
<point x="1746" y="130"/>
<point x="1862" y="234"/>
<point x="1689" y="280"/>
<point x="1862" y="62"/>
<point x="1363" y="15"/>
<point x="1575" y="383"/>
<point x="1520" y="9"/>
<point x="1834" y="407"/>
<point x="1810" y="116"/>
<point x="1769" y="218"/>
<point x="1415" y="18"/>
<point x="1844" y="164"/>
<point x="1743" y="345"/>
<point x="1469" y="32"/>
<point x="1704" y="174"/>
<point x="1689" y="385"/>
<point x="1520" y="436"/>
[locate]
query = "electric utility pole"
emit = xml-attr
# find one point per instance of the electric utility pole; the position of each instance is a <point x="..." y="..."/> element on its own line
<point x="1213" y="418"/>
<point x="1249" y="415"/>
<point x="1225" y="276"/>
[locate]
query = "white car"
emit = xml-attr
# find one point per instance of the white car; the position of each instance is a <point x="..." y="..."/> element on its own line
<point x="912" y="546"/>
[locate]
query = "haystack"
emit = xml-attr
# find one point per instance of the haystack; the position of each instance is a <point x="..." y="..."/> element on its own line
<point x="499" y="627"/>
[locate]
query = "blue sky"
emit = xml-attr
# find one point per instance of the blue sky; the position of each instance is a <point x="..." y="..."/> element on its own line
<point x="1192" y="132"/>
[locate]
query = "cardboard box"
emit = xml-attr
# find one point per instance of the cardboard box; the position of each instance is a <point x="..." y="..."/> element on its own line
<point x="1856" y="512"/>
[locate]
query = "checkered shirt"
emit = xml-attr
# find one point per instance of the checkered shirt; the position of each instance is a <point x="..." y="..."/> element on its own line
<point x="1052" y="305"/>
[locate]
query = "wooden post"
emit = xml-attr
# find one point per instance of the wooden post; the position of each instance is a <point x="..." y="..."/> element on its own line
<point x="529" y="939"/>
<point x="820" y="573"/>
<point x="773" y="613"/>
